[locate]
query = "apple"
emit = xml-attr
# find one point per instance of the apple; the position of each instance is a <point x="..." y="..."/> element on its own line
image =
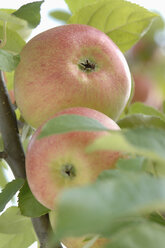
<point x="145" y="91"/>
<point x="78" y="242"/>
<point x="59" y="161"/>
<point x="142" y="87"/>
<point x="71" y="65"/>
<point x="143" y="50"/>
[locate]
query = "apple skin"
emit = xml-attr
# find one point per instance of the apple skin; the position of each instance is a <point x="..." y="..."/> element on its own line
<point x="77" y="242"/>
<point x="59" y="161"/>
<point x="72" y="65"/>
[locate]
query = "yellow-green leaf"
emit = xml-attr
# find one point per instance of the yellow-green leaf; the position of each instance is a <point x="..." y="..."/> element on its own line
<point x="122" y="21"/>
<point x="14" y="23"/>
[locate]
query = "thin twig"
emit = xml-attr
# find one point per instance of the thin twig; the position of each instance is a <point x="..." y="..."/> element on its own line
<point x="16" y="157"/>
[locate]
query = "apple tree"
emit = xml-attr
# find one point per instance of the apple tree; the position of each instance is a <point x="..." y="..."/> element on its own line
<point x="123" y="205"/>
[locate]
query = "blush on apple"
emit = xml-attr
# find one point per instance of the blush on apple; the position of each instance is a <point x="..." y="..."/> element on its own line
<point x="72" y="65"/>
<point x="57" y="162"/>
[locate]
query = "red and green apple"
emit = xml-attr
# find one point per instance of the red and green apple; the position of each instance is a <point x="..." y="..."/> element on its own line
<point x="72" y="65"/>
<point x="59" y="161"/>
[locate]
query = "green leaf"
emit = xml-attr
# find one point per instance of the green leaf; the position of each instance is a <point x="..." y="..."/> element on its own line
<point x="9" y="79"/>
<point x="6" y="16"/>
<point x="147" y="235"/>
<point x="8" y="61"/>
<point x="14" y="41"/>
<point x="15" y="230"/>
<point x="60" y="15"/>
<point x="141" y="108"/>
<point x="104" y="15"/>
<point x="131" y="164"/>
<point x="22" y="240"/>
<point x="30" y="12"/>
<point x="9" y="191"/>
<point x="157" y="218"/>
<point x="3" y="170"/>
<point x="148" y="142"/>
<point x="147" y="138"/>
<point x="74" y="6"/>
<point x="108" y="202"/>
<point x="28" y="204"/>
<point x="109" y="174"/>
<point x="141" y="120"/>
<point x="14" y="23"/>
<point x="3" y="179"/>
<point x="12" y="222"/>
<point x="70" y="122"/>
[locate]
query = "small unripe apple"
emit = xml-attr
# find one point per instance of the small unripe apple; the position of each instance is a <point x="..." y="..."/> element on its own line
<point x="77" y="242"/>
<point x="72" y="65"/>
<point x="59" y="161"/>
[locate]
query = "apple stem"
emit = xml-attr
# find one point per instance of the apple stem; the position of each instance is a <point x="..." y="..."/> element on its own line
<point x="14" y="155"/>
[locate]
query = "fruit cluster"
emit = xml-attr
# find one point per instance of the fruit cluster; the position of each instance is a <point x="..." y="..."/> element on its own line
<point x="71" y="69"/>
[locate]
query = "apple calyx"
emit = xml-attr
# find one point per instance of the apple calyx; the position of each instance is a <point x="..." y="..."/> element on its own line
<point x="68" y="170"/>
<point x="87" y="65"/>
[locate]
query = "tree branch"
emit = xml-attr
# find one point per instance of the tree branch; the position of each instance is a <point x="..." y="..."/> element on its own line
<point x="10" y="135"/>
<point x="3" y="155"/>
<point x="15" y="157"/>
